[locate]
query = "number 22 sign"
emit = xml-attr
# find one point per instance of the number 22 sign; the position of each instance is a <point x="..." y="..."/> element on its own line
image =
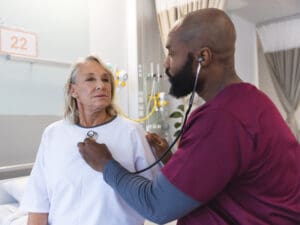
<point x="18" y="42"/>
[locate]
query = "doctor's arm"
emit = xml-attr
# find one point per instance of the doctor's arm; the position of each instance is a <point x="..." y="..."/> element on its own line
<point x="157" y="200"/>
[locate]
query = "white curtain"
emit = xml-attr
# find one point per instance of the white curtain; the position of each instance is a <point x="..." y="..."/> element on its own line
<point x="281" y="45"/>
<point x="169" y="11"/>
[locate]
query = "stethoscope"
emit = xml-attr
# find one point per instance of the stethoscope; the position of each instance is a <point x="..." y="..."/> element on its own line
<point x="93" y="135"/>
<point x="200" y="59"/>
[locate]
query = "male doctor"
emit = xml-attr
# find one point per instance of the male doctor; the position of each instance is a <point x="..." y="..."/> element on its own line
<point x="237" y="162"/>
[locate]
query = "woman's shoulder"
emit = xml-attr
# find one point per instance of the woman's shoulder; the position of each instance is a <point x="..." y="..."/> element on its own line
<point x="128" y="124"/>
<point x="57" y="125"/>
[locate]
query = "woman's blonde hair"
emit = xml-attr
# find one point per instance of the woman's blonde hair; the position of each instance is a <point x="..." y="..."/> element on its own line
<point x="71" y="109"/>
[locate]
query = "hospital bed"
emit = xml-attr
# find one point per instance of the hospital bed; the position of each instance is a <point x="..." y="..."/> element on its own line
<point x="13" y="180"/>
<point x="11" y="191"/>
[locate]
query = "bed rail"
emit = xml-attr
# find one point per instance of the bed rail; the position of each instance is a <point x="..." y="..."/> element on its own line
<point x="16" y="170"/>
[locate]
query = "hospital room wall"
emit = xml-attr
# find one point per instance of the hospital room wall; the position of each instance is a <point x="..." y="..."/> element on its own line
<point x="110" y="39"/>
<point x="31" y="94"/>
<point x="245" y="52"/>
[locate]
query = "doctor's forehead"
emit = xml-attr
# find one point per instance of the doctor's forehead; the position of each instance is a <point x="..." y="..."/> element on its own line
<point x="174" y="43"/>
<point x="172" y="40"/>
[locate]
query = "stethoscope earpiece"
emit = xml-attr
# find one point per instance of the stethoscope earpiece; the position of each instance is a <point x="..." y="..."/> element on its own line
<point x="200" y="59"/>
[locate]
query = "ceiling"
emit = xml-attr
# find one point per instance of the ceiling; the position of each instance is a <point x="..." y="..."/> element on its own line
<point x="259" y="11"/>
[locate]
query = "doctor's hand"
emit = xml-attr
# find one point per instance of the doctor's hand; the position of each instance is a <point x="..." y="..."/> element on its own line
<point x="96" y="155"/>
<point x="160" y="145"/>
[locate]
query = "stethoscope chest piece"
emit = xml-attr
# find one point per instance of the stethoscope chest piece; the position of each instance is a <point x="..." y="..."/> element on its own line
<point x="92" y="135"/>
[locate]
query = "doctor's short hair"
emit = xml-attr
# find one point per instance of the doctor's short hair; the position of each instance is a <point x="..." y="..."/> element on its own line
<point x="71" y="109"/>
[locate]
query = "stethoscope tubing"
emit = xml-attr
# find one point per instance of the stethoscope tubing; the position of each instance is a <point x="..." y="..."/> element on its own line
<point x="182" y="127"/>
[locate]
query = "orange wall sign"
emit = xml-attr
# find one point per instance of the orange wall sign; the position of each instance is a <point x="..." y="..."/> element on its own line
<point x="18" y="42"/>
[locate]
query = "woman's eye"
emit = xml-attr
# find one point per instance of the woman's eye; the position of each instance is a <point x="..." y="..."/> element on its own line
<point x="106" y="80"/>
<point x="90" y="79"/>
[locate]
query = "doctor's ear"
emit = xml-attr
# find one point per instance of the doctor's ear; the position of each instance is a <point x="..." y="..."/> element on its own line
<point x="204" y="56"/>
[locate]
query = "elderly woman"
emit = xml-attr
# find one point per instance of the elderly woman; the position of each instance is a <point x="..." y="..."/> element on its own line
<point x="63" y="189"/>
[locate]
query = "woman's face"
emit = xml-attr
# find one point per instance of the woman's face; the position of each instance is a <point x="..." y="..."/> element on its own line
<point x="92" y="87"/>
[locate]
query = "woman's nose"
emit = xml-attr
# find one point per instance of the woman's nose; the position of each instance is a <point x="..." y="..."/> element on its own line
<point x="100" y="85"/>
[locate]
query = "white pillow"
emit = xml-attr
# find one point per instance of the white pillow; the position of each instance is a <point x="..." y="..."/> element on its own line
<point x="15" y="187"/>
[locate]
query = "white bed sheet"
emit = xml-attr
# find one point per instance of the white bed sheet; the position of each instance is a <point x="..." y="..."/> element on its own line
<point x="5" y="198"/>
<point x="10" y="214"/>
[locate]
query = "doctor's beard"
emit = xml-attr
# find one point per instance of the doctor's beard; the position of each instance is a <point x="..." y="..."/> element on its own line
<point x="182" y="83"/>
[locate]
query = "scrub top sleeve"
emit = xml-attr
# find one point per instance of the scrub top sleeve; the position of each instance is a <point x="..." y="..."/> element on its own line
<point x="35" y="198"/>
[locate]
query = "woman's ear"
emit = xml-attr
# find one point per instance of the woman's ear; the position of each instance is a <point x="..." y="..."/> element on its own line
<point x="72" y="91"/>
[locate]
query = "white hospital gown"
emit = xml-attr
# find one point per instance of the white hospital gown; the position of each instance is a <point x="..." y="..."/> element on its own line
<point x="65" y="186"/>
